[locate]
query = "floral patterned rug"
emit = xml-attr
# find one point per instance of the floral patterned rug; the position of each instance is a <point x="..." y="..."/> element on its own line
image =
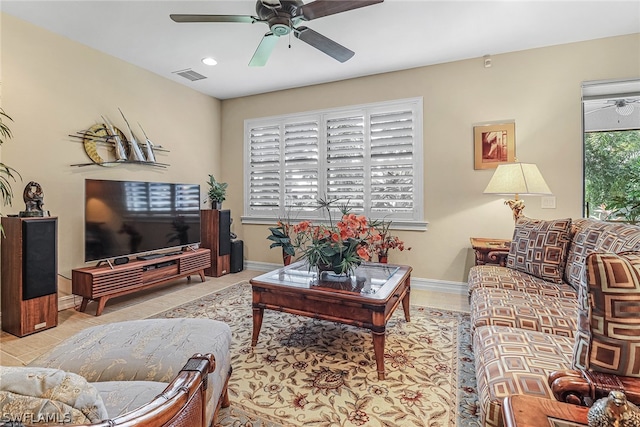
<point x="308" y="372"/>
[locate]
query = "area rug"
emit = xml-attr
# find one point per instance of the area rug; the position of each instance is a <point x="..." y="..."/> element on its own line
<point x="308" y="372"/>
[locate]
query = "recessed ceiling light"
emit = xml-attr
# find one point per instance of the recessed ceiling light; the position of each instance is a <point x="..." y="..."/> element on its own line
<point x="209" y="61"/>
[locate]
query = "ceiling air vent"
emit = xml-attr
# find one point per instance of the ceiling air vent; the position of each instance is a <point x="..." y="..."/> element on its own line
<point x="189" y="74"/>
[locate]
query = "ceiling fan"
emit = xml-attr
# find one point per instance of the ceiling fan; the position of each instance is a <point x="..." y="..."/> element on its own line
<point x="283" y="18"/>
<point x="623" y="107"/>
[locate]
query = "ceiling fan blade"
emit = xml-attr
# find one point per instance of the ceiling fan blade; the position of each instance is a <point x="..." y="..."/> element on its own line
<point x="213" y="18"/>
<point x="320" y="8"/>
<point x="263" y="51"/>
<point x="324" y="44"/>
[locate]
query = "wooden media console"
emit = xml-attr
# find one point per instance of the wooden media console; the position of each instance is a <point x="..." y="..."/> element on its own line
<point x="104" y="282"/>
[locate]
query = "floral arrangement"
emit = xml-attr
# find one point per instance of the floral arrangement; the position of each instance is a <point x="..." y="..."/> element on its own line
<point x="339" y="247"/>
<point x="385" y="241"/>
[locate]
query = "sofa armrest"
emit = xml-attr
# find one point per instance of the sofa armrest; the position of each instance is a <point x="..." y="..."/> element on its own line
<point x="585" y="387"/>
<point x="182" y="402"/>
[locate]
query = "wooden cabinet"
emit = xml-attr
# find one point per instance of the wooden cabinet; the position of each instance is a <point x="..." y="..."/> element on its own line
<point x="29" y="290"/>
<point x="215" y="234"/>
<point x="490" y="251"/>
<point x="105" y="282"/>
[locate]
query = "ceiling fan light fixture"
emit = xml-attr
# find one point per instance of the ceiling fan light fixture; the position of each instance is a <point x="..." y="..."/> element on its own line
<point x="209" y="61"/>
<point x="283" y="16"/>
<point x="624" y="108"/>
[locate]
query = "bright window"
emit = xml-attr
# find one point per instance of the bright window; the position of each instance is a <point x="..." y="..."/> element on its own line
<point x="612" y="150"/>
<point x="368" y="155"/>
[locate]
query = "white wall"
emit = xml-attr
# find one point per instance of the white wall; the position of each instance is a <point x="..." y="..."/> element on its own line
<point x="53" y="87"/>
<point x="539" y="89"/>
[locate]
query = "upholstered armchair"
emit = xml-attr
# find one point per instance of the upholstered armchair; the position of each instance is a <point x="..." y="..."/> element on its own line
<point x="58" y="397"/>
<point x="151" y="372"/>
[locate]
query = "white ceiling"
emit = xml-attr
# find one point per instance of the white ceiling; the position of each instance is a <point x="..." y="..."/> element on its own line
<point x="394" y="35"/>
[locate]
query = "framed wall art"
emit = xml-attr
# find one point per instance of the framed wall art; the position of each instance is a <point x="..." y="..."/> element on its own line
<point x="494" y="144"/>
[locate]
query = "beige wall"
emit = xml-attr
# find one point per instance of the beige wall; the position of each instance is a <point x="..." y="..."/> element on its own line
<point x="539" y="89"/>
<point x="53" y="87"/>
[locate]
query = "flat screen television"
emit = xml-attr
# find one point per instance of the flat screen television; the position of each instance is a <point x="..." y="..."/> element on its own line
<point x="124" y="218"/>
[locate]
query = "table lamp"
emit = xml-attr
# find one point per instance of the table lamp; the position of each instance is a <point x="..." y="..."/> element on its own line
<point x="519" y="179"/>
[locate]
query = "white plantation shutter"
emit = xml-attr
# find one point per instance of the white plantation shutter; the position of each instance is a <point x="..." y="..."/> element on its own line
<point x="392" y="162"/>
<point x="301" y="160"/>
<point x="264" y="173"/>
<point x="345" y="157"/>
<point x="370" y="155"/>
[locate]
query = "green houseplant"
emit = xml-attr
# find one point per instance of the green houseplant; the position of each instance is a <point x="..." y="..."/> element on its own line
<point x="281" y="237"/>
<point x="6" y="172"/>
<point x="217" y="192"/>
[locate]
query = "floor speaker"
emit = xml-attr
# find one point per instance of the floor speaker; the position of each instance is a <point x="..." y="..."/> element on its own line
<point x="225" y="232"/>
<point x="237" y="256"/>
<point x="29" y="275"/>
<point x="215" y="234"/>
<point x="39" y="263"/>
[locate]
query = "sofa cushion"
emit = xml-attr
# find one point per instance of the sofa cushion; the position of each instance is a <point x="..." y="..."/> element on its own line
<point x="48" y="395"/>
<point x="494" y="276"/>
<point x="534" y="312"/>
<point x="540" y="247"/>
<point x="512" y="361"/>
<point x="591" y="235"/>
<point x="608" y="338"/>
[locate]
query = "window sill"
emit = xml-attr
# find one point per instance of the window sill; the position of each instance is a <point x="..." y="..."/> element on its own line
<point x="396" y="224"/>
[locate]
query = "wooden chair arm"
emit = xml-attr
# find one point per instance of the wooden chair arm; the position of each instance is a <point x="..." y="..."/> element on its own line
<point x="585" y="387"/>
<point x="182" y="402"/>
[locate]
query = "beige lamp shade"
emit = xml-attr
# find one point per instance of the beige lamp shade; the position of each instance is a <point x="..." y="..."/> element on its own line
<point x="518" y="179"/>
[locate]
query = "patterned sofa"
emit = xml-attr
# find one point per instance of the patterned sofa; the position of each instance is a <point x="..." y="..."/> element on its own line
<point x="154" y="372"/>
<point x="530" y="317"/>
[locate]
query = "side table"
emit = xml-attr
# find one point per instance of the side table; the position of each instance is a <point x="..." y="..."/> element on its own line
<point x="521" y="410"/>
<point x="490" y="251"/>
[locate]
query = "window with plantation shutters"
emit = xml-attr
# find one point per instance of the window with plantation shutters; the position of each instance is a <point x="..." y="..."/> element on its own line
<point x="369" y="155"/>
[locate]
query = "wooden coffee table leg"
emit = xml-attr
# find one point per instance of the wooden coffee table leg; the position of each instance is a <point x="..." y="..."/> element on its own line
<point x="378" y="350"/>
<point x="257" y="324"/>
<point x="378" y="334"/>
<point x="405" y="306"/>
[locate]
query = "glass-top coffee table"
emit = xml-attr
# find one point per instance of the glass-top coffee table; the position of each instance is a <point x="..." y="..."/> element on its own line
<point x="366" y="299"/>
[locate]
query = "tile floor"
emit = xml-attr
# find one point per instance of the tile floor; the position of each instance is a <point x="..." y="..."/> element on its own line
<point x="16" y="351"/>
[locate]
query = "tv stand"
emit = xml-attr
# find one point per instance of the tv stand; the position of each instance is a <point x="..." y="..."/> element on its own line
<point x="150" y="256"/>
<point x="101" y="283"/>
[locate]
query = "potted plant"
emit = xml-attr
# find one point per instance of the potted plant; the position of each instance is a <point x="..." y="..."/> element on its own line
<point x="281" y="237"/>
<point x="217" y="192"/>
<point x="384" y="241"/>
<point x="6" y="172"/>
